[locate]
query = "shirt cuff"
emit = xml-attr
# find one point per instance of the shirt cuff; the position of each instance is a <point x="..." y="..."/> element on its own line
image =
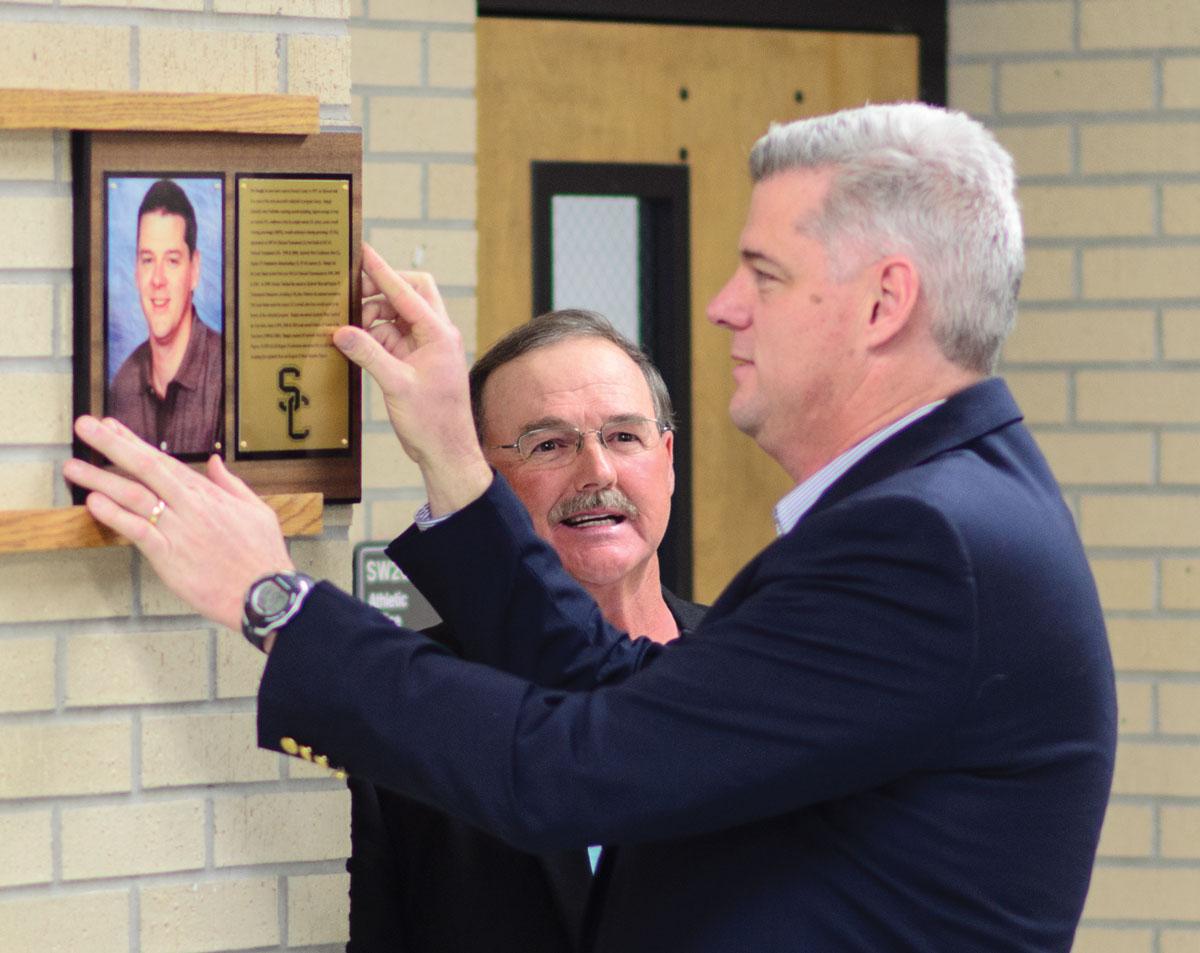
<point x="426" y="520"/>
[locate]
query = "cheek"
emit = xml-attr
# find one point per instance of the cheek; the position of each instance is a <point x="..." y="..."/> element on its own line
<point x="651" y="490"/>
<point x="538" y="493"/>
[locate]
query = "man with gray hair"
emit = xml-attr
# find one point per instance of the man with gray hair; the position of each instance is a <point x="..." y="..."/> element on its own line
<point x="893" y="731"/>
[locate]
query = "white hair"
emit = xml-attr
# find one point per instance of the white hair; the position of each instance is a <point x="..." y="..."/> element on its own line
<point x="927" y="183"/>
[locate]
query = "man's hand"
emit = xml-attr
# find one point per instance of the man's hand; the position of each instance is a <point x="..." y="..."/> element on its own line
<point x="208" y="538"/>
<point x="415" y="355"/>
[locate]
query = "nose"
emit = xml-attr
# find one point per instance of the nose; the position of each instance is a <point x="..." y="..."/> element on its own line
<point x="729" y="307"/>
<point x="158" y="275"/>
<point x="594" y="465"/>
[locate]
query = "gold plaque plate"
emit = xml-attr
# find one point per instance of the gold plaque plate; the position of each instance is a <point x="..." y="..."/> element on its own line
<point x="293" y="291"/>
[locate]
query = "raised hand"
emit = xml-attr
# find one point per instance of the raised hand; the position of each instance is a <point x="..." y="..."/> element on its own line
<point x="207" y="537"/>
<point x="415" y="354"/>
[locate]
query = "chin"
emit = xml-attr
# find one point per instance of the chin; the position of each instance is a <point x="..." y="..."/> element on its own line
<point x="743" y="418"/>
<point x="601" y="572"/>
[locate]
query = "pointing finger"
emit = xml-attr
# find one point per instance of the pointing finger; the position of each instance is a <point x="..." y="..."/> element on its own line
<point x="415" y="298"/>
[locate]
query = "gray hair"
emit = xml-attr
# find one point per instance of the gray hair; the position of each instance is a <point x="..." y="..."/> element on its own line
<point x="925" y="182"/>
<point x="552" y="328"/>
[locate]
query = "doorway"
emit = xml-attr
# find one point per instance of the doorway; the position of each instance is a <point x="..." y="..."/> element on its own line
<point x="697" y="96"/>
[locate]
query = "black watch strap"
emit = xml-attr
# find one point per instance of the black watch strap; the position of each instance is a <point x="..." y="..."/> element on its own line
<point x="271" y="601"/>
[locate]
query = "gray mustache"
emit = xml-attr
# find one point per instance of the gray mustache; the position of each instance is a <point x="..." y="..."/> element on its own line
<point x="607" y="499"/>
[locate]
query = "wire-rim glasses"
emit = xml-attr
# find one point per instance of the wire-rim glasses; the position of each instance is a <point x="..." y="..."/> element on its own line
<point x="549" y="447"/>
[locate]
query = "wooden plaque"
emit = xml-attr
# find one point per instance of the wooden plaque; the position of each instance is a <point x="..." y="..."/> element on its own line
<point x="210" y="272"/>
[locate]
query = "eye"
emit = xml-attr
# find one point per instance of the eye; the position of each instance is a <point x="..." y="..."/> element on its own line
<point x="632" y="436"/>
<point x="550" y="443"/>
<point x="623" y="436"/>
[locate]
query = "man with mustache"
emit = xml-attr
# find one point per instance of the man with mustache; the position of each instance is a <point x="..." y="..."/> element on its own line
<point x="578" y="420"/>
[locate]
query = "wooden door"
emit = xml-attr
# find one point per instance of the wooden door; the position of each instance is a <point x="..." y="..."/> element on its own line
<point x="561" y="90"/>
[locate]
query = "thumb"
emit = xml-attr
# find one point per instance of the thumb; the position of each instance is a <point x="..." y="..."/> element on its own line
<point x="357" y="345"/>
<point x="235" y="486"/>
<point x="361" y="347"/>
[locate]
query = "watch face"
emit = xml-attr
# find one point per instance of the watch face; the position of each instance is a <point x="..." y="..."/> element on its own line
<point x="271" y="597"/>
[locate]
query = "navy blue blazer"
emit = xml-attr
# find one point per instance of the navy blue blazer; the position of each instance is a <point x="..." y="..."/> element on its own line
<point x="424" y="882"/>
<point x="894" y="731"/>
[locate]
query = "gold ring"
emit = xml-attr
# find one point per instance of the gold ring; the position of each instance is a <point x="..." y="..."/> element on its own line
<point x="155" y="513"/>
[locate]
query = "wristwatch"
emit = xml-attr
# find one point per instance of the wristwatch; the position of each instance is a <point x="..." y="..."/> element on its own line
<point x="271" y="601"/>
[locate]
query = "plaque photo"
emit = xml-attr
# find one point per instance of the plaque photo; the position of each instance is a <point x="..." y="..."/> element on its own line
<point x="164" y="310"/>
<point x="210" y="272"/>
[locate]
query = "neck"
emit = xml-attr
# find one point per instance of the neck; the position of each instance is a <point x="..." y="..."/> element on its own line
<point x="166" y="356"/>
<point x="635" y="604"/>
<point x="870" y="410"/>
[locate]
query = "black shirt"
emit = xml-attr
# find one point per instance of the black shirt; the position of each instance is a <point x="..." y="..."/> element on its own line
<point x="190" y="418"/>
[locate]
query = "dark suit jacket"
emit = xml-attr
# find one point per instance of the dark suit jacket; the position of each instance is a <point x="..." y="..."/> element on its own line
<point x="894" y="731"/>
<point x="424" y="882"/>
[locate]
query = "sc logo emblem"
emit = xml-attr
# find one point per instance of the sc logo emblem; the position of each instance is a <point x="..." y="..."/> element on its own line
<point x="295" y="400"/>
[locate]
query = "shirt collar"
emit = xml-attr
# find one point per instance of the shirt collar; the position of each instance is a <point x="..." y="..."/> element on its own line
<point x="192" y="366"/>
<point x="790" y="510"/>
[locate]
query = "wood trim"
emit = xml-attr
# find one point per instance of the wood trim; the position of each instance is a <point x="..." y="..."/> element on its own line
<point x="925" y="19"/>
<point x="72" y="527"/>
<point x="159" y="112"/>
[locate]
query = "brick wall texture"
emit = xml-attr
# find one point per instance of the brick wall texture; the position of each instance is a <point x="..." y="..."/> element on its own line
<point x="136" y="812"/>
<point x="1099" y="101"/>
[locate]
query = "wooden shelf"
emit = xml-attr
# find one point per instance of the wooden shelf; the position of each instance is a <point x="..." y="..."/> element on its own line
<point x="72" y="527"/>
<point x="159" y="112"/>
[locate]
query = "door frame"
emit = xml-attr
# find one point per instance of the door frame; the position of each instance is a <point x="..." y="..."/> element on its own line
<point x="925" y="19"/>
<point x="666" y="290"/>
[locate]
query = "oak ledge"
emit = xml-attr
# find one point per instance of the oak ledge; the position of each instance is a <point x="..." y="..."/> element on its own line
<point x="264" y="113"/>
<point x="72" y="527"/>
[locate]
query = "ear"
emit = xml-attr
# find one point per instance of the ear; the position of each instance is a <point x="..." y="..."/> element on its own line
<point x="669" y="442"/>
<point x="896" y="290"/>
<point x="195" y="269"/>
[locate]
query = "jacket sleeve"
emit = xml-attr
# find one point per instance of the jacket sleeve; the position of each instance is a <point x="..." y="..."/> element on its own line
<point x="376" y="886"/>
<point x="834" y="663"/>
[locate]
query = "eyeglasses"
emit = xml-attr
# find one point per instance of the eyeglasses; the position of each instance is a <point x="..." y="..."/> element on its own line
<point x="549" y="447"/>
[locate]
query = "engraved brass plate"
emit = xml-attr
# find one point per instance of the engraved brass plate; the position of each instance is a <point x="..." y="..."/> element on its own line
<point x="293" y="291"/>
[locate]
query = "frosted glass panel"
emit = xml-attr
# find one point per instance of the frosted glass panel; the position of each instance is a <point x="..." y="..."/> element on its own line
<point x="595" y="257"/>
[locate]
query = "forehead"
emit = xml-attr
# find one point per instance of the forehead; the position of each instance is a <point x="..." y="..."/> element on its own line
<point x="782" y="202"/>
<point x="164" y="228"/>
<point x="580" y="380"/>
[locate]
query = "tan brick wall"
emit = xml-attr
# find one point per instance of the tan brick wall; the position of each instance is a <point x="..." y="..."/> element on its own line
<point x="96" y="922"/>
<point x="413" y="73"/>
<point x="318" y="909"/>
<point x="203" y="917"/>
<point x="127" y="723"/>
<point x="1097" y="101"/>
<point x="125" y="839"/>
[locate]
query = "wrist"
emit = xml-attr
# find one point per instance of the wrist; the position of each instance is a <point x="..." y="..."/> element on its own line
<point x="271" y="602"/>
<point x="452" y="485"/>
